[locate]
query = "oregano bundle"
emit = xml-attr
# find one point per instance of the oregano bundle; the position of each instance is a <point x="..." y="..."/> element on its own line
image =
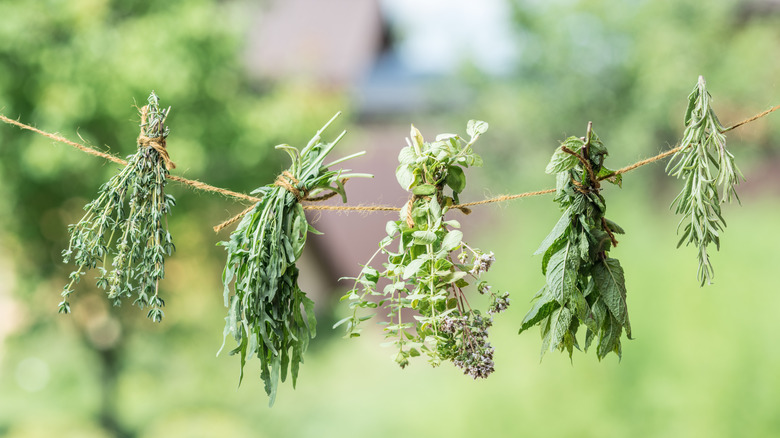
<point x="268" y="314"/>
<point x="425" y="279"/>
<point x="710" y="178"/>
<point x="124" y="233"/>
<point x="584" y="286"/>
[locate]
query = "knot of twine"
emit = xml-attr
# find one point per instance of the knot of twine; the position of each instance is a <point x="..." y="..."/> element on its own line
<point x="156" y="143"/>
<point x="594" y="186"/>
<point x="288" y="182"/>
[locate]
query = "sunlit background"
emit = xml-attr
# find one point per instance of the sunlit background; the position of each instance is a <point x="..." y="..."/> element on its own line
<point x="244" y="76"/>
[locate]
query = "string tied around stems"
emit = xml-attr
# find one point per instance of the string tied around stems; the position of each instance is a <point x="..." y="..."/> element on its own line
<point x="156" y="143"/>
<point x="287" y="181"/>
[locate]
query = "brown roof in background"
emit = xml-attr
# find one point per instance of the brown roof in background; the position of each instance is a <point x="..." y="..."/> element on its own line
<point x="330" y="42"/>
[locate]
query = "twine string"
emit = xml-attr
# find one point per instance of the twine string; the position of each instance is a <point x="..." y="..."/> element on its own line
<point x="364" y="208"/>
<point x="91" y="151"/>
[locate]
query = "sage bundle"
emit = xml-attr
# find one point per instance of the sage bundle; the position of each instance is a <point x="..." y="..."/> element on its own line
<point x="710" y="176"/>
<point x="124" y="233"/>
<point x="584" y="286"/>
<point x="268" y="314"/>
<point x="428" y="312"/>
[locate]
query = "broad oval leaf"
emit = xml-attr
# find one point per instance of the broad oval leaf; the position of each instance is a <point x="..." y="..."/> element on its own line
<point x="405" y="176"/>
<point x="476" y="127"/>
<point x="412" y="268"/>
<point x="456" y="179"/>
<point x="451" y="240"/>
<point x="424" y="190"/>
<point x="407" y="156"/>
<point x="561" y="162"/>
<point x="424" y="237"/>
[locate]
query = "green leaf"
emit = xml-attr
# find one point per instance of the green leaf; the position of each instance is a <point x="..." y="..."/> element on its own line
<point x="609" y="340"/>
<point x="557" y="232"/>
<point x="561" y="162"/>
<point x="554" y="248"/>
<point x="405" y="176"/>
<point x="424" y="237"/>
<point x="341" y="321"/>
<point x="559" y="325"/>
<point x="582" y="310"/>
<point x="456" y="179"/>
<point x="609" y="175"/>
<point x="311" y="319"/>
<point x="573" y="143"/>
<point x="615" y="228"/>
<point x="407" y="156"/>
<point x="370" y="274"/>
<point x="544" y="306"/>
<point x="610" y="283"/>
<point x="693" y="98"/>
<point x="412" y="268"/>
<point x="453" y="277"/>
<point x="476" y="127"/>
<point x="272" y="384"/>
<point x="417" y="137"/>
<point x="451" y="240"/>
<point x="562" y="274"/>
<point x="391" y="228"/>
<point x="424" y="190"/>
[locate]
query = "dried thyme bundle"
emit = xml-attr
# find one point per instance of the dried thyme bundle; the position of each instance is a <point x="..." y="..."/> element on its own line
<point x="268" y="314"/>
<point x="124" y="232"/>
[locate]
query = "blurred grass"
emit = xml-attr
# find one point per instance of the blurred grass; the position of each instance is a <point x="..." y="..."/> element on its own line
<point x="701" y="364"/>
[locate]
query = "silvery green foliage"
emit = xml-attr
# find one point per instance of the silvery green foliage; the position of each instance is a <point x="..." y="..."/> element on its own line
<point x="426" y="275"/>
<point x="584" y="286"/>
<point x="124" y="231"/>
<point x="710" y="178"/>
<point x="269" y="316"/>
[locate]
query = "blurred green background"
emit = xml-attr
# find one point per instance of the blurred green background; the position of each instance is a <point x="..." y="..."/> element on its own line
<point x="244" y="76"/>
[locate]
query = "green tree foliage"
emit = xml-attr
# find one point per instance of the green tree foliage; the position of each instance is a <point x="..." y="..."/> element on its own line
<point x="620" y="64"/>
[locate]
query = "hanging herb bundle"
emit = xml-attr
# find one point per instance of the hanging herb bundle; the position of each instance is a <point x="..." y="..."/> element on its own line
<point x="425" y="279"/>
<point x="710" y="178"/>
<point x="124" y="232"/>
<point x="268" y="314"/>
<point x="583" y="284"/>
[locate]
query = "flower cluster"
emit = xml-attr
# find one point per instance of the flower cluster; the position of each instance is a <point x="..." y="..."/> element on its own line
<point x="473" y="353"/>
<point x="476" y="355"/>
<point x="498" y="303"/>
<point x="482" y="263"/>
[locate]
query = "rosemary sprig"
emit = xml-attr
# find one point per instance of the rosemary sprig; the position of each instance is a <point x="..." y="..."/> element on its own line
<point x="583" y="284"/>
<point x="125" y="227"/>
<point x="710" y="178"/>
<point x="428" y="309"/>
<point x="268" y="314"/>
